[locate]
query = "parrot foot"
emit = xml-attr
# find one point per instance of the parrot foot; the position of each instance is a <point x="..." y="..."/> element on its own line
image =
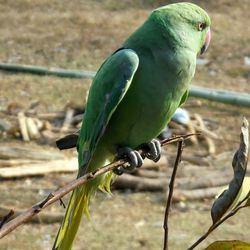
<point x="134" y="158"/>
<point x="154" y="148"/>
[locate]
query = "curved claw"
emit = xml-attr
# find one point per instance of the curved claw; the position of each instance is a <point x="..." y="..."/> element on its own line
<point x="134" y="158"/>
<point x="138" y="160"/>
<point x="154" y="150"/>
<point x="118" y="171"/>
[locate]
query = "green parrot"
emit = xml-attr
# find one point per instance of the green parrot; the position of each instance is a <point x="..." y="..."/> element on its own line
<point x="132" y="98"/>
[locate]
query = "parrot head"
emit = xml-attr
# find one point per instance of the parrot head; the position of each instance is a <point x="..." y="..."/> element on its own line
<point x="186" y="24"/>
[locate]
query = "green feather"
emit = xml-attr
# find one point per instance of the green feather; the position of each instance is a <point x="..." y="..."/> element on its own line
<point x="133" y="96"/>
<point x="106" y="92"/>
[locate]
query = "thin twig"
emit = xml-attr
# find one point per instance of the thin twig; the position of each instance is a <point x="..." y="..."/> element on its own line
<point x="6" y="218"/>
<point x="178" y="138"/>
<point x="58" y="194"/>
<point x="62" y="203"/>
<point x="171" y="190"/>
<point x="218" y="223"/>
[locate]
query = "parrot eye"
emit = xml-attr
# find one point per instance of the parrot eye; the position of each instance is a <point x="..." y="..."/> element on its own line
<point x="201" y="26"/>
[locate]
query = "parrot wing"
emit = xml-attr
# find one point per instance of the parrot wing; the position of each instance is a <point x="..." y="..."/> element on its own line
<point x="108" y="89"/>
<point x="70" y="141"/>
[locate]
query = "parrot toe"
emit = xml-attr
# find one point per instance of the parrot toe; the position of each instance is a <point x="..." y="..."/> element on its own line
<point x="134" y="158"/>
<point x="118" y="171"/>
<point x="154" y="148"/>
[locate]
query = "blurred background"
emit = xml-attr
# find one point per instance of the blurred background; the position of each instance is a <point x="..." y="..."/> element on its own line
<point x="79" y="35"/>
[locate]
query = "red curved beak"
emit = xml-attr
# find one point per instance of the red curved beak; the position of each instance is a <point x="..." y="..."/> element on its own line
<point x="207" y="42"/>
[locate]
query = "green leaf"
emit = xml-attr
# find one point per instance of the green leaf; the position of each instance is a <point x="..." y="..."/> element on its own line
<point x="243" y="193"/>
<point x="248" y="203"/>
<point x="229" y="245"/>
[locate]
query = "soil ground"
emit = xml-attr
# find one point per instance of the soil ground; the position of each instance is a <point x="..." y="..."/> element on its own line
<point x="79" y="35"/>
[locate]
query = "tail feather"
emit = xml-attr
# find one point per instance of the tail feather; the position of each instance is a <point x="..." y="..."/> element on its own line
<point x="106" y="183"/>
<point x="71" y="221"/>
<point x="78" y="205"/>
<point x="80" y="198"/>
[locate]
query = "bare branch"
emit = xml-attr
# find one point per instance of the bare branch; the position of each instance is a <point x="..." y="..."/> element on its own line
<point x="218" y="223"/>
<point x="58" y="194"/>
<point x="171" y="190"/>
<point x="6" y="218"/>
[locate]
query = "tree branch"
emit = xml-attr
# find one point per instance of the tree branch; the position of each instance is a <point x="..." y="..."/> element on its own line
<point x="239" y="163"/>
<point x="56" y="195"/>
<point x="219" y="222"/>
<point x="171" y="190"/>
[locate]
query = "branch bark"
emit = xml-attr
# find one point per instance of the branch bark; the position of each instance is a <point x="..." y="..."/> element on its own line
<point x="8" y="227"/>
<point x="171" y="191"/>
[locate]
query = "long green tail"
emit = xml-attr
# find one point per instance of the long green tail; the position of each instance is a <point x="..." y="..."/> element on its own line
<point x="80" y="198"/>
<point x="78" y="205"/>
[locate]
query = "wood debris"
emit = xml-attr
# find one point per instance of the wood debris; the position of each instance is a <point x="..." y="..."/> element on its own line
<point x="45" y="128"/>
<point x="37" y="169"/>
